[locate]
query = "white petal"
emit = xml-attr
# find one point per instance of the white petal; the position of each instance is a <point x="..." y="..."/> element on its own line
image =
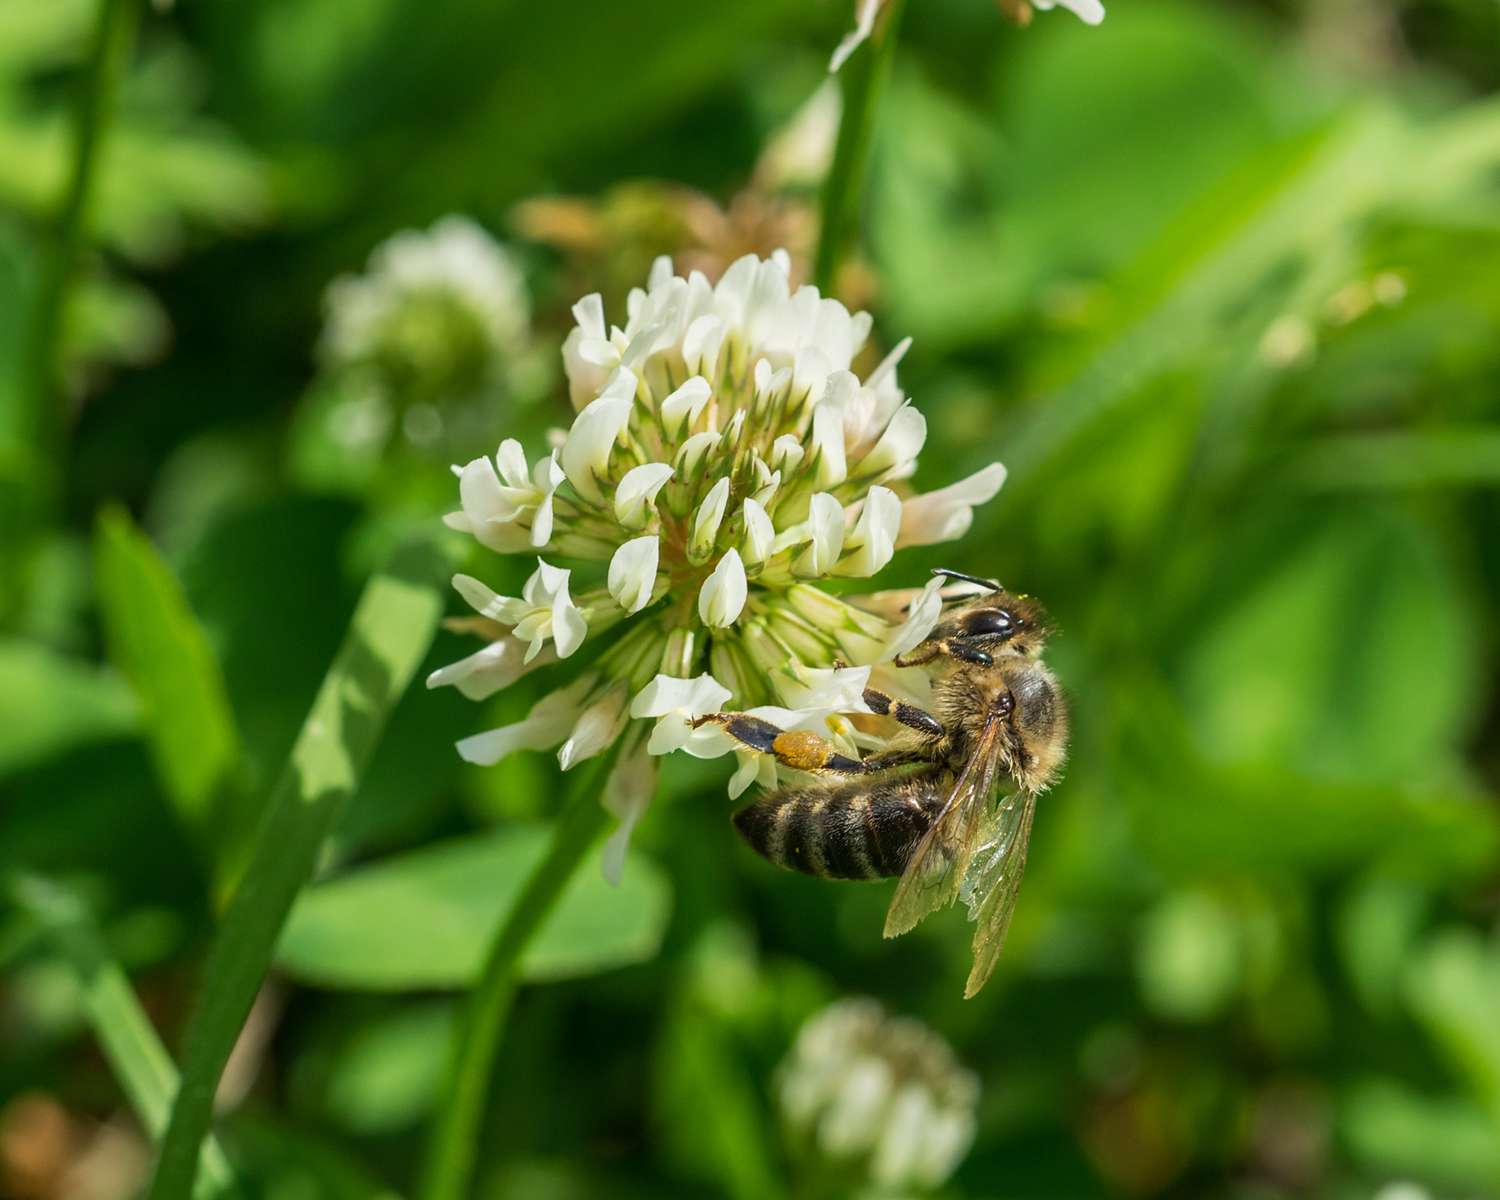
<point x="682" y="407"/>
<point x="1090" y="12"/>
<point x="946" y="514"/>
<point x="925" y="611"/>
<point x="632" y="573"/>
<point x="760" y="533"/>
<point x="722" y="597"/>
<point x="511" y="459"/>
<point x="669" y="694"/>
<point x="691" y="454"/>
<point x="541" y="523"/>
<point x="828" y="443"/>
<point x="787" y="452"/>
<point x="585" y="454"/>
<point x="547" y="724"/>
<point x="864" y="23"/>
<point x="825" y="529"/>
<point x="482" y="673"/>
<point x="707" y="519"/>
<point x="479" y="493"/>
<point x="598" y="726"/>
<point x="824" y="690"/>
<point x="568" y="626"/>
<point x="637" y="489"/>
<point x="627" y="794"/>
<point x="589" y="313"/>
<point x="896" y="451"/>
<point x="874" y="538"/>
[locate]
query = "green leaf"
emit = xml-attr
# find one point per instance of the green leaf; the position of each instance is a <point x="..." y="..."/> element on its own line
<point x="1453" y="988"/>
<point x="425" y="919"/>
<point x="1396" y="1131"/>
<point x="389" y="633"/>
<point x="50" y="703"/>
<point x="161" y="649"/>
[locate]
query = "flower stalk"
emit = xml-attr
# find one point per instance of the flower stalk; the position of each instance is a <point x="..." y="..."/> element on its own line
<point x="451" y="1150"/>
<point x="861" y="81"/>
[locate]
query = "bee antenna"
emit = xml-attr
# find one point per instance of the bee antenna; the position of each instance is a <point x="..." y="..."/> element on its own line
<point x="962" y="578"/>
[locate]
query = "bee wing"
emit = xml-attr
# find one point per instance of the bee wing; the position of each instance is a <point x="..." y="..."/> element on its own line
<point x="994" y="880"/>
<point x="940" y="861"/>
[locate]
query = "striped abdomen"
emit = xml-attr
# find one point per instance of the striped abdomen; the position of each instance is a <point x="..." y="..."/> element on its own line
<point x="857" y="830"/>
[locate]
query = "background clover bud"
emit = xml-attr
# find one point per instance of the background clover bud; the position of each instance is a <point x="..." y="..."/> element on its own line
<point x="884" y="1096"/>
<point x="723" y="463"/>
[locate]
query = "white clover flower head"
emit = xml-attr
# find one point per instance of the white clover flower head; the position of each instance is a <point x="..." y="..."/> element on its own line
<point x="885" y="1093"/>
<point x="724" y="462"/>
<point x="435" y="316"/>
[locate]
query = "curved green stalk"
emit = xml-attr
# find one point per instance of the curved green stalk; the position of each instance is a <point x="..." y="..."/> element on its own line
<point x="861" y="81"/>
<point x="449" y="1167"/>
<point x="388" y="636"/>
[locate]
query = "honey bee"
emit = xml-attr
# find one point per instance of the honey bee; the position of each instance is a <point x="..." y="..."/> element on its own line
<point x="924" y="808"/>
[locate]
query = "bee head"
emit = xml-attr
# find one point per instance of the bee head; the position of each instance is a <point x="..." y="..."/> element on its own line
<point x="996" y="621"/>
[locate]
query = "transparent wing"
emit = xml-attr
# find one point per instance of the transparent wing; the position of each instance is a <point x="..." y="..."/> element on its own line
<point x="941" y="860"/>
<point x="994" y="880"/>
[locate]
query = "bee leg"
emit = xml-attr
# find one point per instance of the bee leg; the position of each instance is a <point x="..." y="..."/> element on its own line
<point x="908" y="714"/>
<point x="798" y="749"/>
<point x="952" y="648"/>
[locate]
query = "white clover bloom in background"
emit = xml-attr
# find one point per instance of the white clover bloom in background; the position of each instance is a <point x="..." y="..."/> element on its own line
<point x="883" y="1094"/>
<point x="724" y="460"/>
<point x="1091" y="12"/>
<point x="436" y="317"/>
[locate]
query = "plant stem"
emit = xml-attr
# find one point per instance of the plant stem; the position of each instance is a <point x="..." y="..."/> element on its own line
<point x="114" y="35"/>
<point x="388" y="636"/>
<point x="449" y="1168"/>
<point x="861" y="82"/>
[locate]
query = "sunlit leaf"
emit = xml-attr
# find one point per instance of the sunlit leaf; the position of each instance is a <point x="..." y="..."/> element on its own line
<point x="438" y="907"/>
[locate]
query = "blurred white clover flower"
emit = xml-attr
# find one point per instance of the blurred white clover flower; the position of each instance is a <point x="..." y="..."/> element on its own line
<point x="1091" y="12"/>
<point x="436" y="316"/>
<point x="722" y="462"/>
<point x="884" y="1093"/>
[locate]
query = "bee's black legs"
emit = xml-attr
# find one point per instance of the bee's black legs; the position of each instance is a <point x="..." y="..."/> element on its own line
<point x="798" y="749"/>
<point x="908" y="714"/>
<point x="945" y="647"/>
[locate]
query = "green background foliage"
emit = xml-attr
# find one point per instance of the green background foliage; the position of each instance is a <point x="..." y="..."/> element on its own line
<point x="1220" y="283"/>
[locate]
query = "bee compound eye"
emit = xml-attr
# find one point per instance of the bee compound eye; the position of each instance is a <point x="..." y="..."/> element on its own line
<point x="992" y="622"/>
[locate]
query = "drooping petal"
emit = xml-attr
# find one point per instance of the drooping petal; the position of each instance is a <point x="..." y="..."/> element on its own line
<point x="544" y="727"/>
<point x="597" y="727"/>
<point x="947" y="513"/>
<point x="864" y="25"/>
<point x="1090" y="12"/>
<point x="627" y="794"/>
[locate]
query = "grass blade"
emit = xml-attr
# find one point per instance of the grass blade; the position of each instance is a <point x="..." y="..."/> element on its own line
<point x="140" y="1062"/>
<point x="389" y="634"/>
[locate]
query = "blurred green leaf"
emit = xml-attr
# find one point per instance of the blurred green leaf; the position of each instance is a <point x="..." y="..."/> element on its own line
<point x="1453" y="987"/>
<point x="1393" y="1130"/>
<point x="160" y="648"/>
<point x="1377" y="925"/>
<point x="425" y="919"/>
<point x="50" y="703"/>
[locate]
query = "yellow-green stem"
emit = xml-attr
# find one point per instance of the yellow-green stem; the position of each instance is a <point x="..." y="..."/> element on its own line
<point x="449" y="1168"/>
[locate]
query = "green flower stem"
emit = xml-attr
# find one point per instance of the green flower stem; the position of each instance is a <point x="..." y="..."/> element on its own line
<point x="388" y="636"/>
<point x="862" y="80"/>
<point x="129" y="1042"/>
<point x="114" y="35"/>
<point x="449" y="1168"/>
